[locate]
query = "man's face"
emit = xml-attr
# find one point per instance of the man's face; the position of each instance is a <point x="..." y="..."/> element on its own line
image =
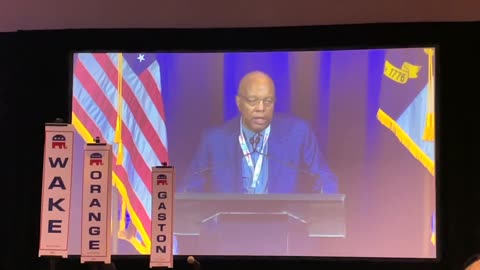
<point x="256" y="102"/>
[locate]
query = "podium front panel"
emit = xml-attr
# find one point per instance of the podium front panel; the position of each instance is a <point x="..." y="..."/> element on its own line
<point x="216" y="221"/>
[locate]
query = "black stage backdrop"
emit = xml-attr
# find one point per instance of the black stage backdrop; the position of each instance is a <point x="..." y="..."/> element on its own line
<point x="34" y="85"/>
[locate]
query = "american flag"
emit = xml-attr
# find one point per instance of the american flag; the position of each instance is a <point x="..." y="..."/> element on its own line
<point x="118" y="98"/>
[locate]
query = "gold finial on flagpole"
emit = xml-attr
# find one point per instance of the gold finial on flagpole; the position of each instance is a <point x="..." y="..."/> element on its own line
<point x="429" y="132"/>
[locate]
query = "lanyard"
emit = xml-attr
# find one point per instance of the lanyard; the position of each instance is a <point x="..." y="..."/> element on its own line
<point x="258" y="165"/>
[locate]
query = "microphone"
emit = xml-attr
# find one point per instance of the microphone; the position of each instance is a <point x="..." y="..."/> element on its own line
<point x="193" y="262"/>
<point x="255" y="141"/>
<point x="197" y="180"/>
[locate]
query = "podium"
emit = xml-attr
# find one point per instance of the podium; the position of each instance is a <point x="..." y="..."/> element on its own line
<point x="227" y="223"/>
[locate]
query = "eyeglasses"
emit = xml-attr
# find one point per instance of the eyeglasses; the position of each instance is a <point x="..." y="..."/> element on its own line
<point x="252" y="101"/>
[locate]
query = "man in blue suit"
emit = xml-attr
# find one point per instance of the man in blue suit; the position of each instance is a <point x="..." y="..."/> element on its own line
<point x="258" y="153"/>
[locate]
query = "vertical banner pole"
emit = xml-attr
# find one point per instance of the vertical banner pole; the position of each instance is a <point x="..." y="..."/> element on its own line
<point x="96" y="203"/>
<point x="56" y="190"/>
<point x="115" y="219"/>
<point x="163" y="191"/>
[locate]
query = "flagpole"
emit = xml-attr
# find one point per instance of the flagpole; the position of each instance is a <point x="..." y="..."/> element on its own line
<point x="117" y="218"/>
<point x="429" y="133"/>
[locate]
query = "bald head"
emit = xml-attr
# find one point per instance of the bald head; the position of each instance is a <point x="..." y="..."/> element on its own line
<point x="255" y="78"/>
<point x="255" y="100"/>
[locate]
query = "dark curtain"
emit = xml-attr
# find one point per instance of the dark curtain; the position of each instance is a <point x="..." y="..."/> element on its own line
<point x="7" y="115"/>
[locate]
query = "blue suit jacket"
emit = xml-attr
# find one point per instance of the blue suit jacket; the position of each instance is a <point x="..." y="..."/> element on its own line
<point x="295" y="163"/>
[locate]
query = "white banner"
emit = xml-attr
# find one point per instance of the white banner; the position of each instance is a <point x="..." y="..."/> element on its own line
<point x="163" y="190"/>
<point x="56" y="190"/>
<point x="96" y="204"/>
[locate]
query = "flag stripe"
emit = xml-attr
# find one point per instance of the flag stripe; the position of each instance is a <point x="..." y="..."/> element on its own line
<point x="137" y="111"/>
<point x="150" y="79"/>
<point x="142" y="241"/>
<point x="145" y="93"/>
<point x="405" y="139"/>
<point x="120" y="171"/>
<point x="143" y="126"/>
<point x="144" y="101"/>
<point x="140" y="99"/>
<point x="155" y="96"/>
<point x="410" y="121"/>
<point x="104" y="105"/>
<point x="137" y="183"/>
<point x="109" y="89"/>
